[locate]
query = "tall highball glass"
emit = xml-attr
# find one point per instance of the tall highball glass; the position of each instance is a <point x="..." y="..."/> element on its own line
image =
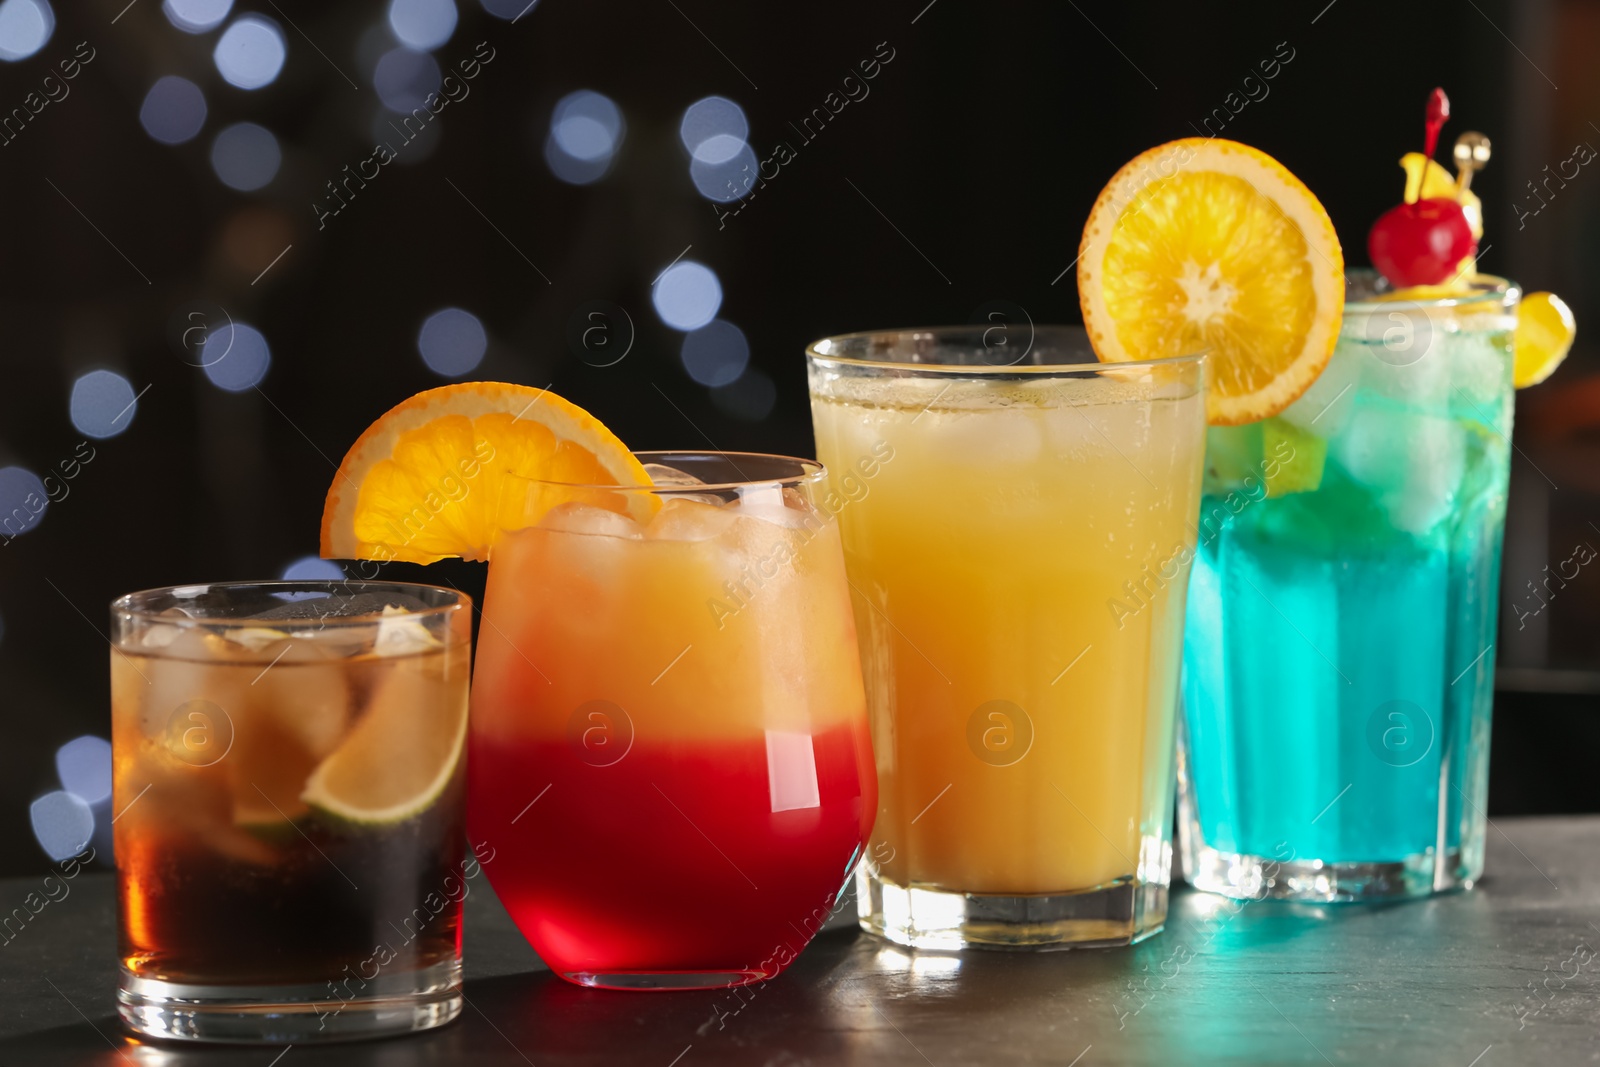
<point x="1018" y="525"/>
<point x="1339" y="670"/>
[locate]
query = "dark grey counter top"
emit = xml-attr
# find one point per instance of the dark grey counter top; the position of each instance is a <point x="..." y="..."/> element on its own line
<point x="1445" y="981"/>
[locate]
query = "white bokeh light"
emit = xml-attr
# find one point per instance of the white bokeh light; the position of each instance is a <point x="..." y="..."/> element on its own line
<point x="452" y="342"/>
<point x="404" y="78"/>
<point x="586" y="130"/>
<point x="62" y="824"/>
<point x="687" y="295"/>
<point x="23" y="500"/>
<point x="236" y="357"/>
<point x="245" y="156"/>
<point x="708" y="124"/>
<point x="196" y="16"/>
<point x="422" y="24"/>
<point x="715" y="354"/>
<point x="719" y="148"/>
<point x="312" y="569"/>
<point x="25" y="27"/>
<point x="103" y="404"/>
<point x="173" y="111"/>
<point x="84" y="767"/>
<point x="729" y="178"/>
<point x="250" y="52"/>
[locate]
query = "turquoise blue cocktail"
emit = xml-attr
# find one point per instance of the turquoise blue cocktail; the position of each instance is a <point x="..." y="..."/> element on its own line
<point x="1338" y="660"/>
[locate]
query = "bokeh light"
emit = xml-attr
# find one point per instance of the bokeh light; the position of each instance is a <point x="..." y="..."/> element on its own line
<point x="452" y="342"/>
<point x="422" y="24"/>
<point x="250" y="52"/>
<point x="732" y="178"/>
<point x="103" y="404"/>
<point x="23" y="500"/>
<point x="722" y="164"/>
<point x="715" y="354"/>
<point x="62" y="823"/>
<point x="174" y="110"/>
<point x="196" y="16"/>
<point x="751" y="398"/>
<point x="245" y="156"/>
<point x="25" y="26"/>
<point x="713" y="129"/>
<point x="586" y="130"/>
<point x="312" y="569"/>
<point x="404" y="79"/>
<point x="236" y="357"/>
<point x="84" y="767"/>
<point x="687" y="295"/>
<point x="508" y="9"/>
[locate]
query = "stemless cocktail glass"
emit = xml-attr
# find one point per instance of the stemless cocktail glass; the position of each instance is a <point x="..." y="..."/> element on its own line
<point x="670" y="752"/>
<point x="289" y="789"/>
<point x="1339" y="670"/>
<point x="1017" y="531"/>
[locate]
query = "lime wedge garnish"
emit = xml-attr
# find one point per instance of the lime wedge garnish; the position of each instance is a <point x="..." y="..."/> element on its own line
<point x="402" y="753"/>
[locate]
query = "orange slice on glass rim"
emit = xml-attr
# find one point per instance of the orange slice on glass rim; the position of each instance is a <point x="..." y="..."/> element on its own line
<point x="1207" y="244"/>
<point x="443" y="473"/>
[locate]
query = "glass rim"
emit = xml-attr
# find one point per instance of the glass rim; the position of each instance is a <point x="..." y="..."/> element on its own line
<point x="808" y="471"/>
<point x="132" y="605"/>
<point x="1484" y="289"/>
<point x="971" y="370"/>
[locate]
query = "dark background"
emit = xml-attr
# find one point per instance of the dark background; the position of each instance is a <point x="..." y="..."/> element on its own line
<point x="963" y="178"/>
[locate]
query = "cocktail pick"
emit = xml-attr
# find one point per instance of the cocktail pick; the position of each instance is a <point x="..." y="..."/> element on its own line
<point x="1438" y="113"/>
<point x="1471" y="155"/>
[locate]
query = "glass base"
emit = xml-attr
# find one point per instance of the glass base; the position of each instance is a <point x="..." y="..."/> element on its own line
<point x="1123" y="912"/>
<point x="289" y="1014"/>
<point x="649" y="981"/>
<point x="1313" y="881"/>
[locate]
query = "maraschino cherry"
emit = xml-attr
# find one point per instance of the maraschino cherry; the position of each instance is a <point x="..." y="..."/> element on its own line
<point x="1422" y="242"/>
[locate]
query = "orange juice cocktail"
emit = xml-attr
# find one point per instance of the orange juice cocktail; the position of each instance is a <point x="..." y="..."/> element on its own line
<point x="1018" y="537"/>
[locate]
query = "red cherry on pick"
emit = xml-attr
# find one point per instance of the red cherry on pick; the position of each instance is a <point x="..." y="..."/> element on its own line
<point x="1421" y="243"/>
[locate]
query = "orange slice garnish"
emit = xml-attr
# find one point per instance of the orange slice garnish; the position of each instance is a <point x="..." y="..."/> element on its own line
<point x="1206" y="244"/>
<point x="444" y="473"/>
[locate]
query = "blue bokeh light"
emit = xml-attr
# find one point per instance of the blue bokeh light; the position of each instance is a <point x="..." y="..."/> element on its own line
<point x="174" y="110"/>
<point x="103" y="404"/>
<point x="705" y="122"/>
<point x="715" y="354"/>
<point x="196" y="16"/>
<point x="404" y="78"/>
<point x="312" y="569"/>
<point x="245" y="156"/>
<point x="422" y="24"/>
<point x="452" y="342"/>
<point x="84" y="767"/>
<point x="62" y="823"/>
<point x="25" y="27"/>
<point x="687" y="295"/>
<point x="751" y="397"/>
<point x="586" y="131"/>
<point x="236" y="357"/>
<point x="23" y="501"/>
<point x="250" y="53"/>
